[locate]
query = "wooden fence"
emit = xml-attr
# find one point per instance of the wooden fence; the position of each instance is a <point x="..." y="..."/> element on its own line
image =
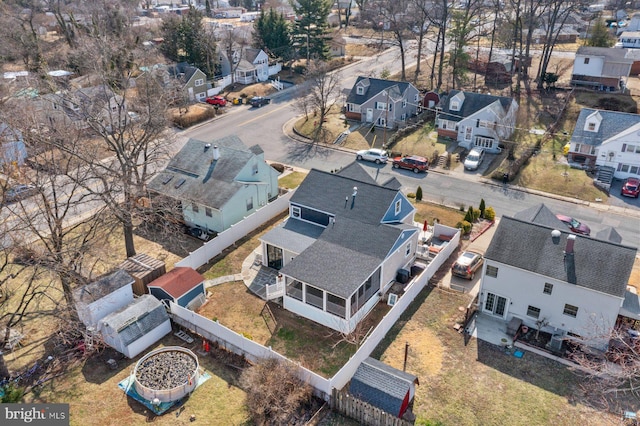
<point x="363" y="412"/>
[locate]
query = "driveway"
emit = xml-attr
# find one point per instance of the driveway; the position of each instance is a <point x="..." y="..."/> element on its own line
<point x="472" y="287"/>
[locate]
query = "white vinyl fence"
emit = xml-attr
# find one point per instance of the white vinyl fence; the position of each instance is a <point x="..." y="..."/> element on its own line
<point x="238" y="344"/>
<point x="214" y="247"/>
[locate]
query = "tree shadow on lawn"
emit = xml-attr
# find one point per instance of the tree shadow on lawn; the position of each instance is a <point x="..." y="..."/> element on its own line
<point x="305" y="151"/>
<point x="553" y="377"/>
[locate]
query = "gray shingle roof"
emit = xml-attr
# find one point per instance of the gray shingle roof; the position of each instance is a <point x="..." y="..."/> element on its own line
<point x="473" y="102"/>
<point x="208" y="182"/>
<point x="357" y="172"/>
<point x="137" y="318"/>
<point x="294" y="234"/>
<point x="599" y="265"/>
<point x="327" y="192"/>
<point x="541" y="215"/>
<point x="609" y="234"/>
<point x="183" y="71"/>
<point x="375" y="86"/>
<point x="344" y="256"/>
<point x="609" y="53"/>
<point x="381" y="385"/>
<point x="612" y="124"/>
<point x="91" y="292"/>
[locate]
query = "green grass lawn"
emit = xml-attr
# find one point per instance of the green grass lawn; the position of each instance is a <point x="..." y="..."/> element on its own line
<point x="291" y="180"/>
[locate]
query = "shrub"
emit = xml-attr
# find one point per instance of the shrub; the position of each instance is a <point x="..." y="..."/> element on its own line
<point x="411" y="195"/>
<point x="482" y="207"/>
<point x="476" y="215"/>
<point x="489" y="213"/>
<point x="461" y="207"/>
<point x="12" y="394"/>
<point x="275" y="393"/>
<point x="419" y="194"/>
<point x="469" y="216"/>
<point x="465" y="226"/>
<point x="279" y="167"/>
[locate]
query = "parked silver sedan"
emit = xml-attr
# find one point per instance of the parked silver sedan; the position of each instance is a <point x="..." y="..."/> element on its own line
<point x="374" y="154"/>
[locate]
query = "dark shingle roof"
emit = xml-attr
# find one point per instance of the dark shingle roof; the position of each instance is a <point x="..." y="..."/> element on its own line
<point x="295" y="235"/>
<point x="473" y="102"/>
<point x="357" y="172"/>
<point x="541" y="215"/>
<point x="91" y="292"/>
<point x="137" y="318"/>
<point x="344" y="256"/>
<point x="381" y="385"/>
<point x="599" y="265"/>
<point x="375" y="86"/>
<point x="609" y="234"/>
<point x="612" y="124"/>
<point x="182" y="71"/>
<point x="327" y="192"/>
<point x="206" y="181"/>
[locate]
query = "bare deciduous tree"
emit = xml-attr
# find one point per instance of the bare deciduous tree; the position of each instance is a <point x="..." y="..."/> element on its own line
<point x="324" y="93"/>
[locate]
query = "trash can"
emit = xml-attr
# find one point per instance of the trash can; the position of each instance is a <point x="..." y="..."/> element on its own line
<point x="240" y="101"/>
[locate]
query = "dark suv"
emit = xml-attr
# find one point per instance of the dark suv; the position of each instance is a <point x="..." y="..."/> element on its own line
<point x="258" y="101"/>
<point x="414" y="162"/>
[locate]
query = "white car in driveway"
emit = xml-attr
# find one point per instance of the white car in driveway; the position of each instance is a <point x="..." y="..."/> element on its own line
<point x="376" y="155"/>
<point x="474" y="159"/>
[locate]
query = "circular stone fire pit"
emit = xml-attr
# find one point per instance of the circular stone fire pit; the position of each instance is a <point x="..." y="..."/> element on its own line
<point x="166" y="374"/>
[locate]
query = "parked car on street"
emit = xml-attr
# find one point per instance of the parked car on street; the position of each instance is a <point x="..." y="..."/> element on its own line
<point x="574" y="225"/>
<point x="216" y="100"/>
<point x="19" y="192"/>
<point x="467" y="265"/>
<point x="413" y="162"/>
<point x="376" y="155"/>
<point x="474" y="159"/>
<point x="258" y="101"/>
<point x="631" y="188"/>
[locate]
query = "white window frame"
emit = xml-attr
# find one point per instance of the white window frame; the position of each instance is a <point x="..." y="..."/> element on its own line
<point x="404" y="103"/>
<point x="199" y="82"/>
<point x="568" y="310"/>
<point x="398" y="207"/>
<point x="468" y="133"/>
<point x="492" y="271"/>
<point x="208" y="212"/>
<point x="250" y="203"/>
<point x="381" y="106"/>
<point x="295" y="212"/>
<point x="533" y="312"/>
<point x="455" y="106"/>
<point x="548" y="288"/>
<point x="360" y="90"/>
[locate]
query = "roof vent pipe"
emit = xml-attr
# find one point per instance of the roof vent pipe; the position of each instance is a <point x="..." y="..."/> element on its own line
<point x="216" y="153"/>
<point x="206" y="147"/>
<point x="555" y="236"/>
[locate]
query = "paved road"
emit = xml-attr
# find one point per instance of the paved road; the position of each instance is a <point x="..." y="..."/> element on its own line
<point x="265" y="126"/>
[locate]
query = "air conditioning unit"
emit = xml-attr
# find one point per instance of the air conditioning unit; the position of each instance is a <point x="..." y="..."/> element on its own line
<point x="555" y="344"/>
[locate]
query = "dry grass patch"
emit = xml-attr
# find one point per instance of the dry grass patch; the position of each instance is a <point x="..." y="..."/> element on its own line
<point x="469" y="384"/>
<point x="91" y="389"/>
<point x="446" y="215"/>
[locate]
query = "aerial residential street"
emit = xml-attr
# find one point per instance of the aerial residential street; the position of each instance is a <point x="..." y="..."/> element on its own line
<point x="265" y="126"/>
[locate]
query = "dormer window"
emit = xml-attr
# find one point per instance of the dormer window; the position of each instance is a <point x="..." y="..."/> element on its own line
<point x="592" y="122"/>
<point x="455" y="106"/>
<point x="591" y="127"/>
<point x="360" y="90"/>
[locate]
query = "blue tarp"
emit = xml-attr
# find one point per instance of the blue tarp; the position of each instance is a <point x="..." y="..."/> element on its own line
<point x="127" y="386"/>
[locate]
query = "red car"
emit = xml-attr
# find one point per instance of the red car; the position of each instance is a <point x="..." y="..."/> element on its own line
<point x="414" y="162"/>
<point x="631" y="188"/>
<point x="216" y="100"/>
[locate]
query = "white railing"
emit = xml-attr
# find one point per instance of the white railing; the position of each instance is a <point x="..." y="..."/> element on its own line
<point x="239" y="344"/>
<point x="277" y="84"/>
<point x="275" y="290"/>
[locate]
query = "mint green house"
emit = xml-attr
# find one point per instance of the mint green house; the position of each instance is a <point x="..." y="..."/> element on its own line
<point x="217" y="183"/>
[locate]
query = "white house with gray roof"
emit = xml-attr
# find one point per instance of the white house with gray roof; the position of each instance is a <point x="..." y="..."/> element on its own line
<point x="384" y="103"/>
<point x="602" y="68"/>
<point x="539" y="273"/>
<point x="341" y="247"/>
<point x="217" y="183"/>
<point x="476" y="119"/>
<point x="607" y="139"/>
